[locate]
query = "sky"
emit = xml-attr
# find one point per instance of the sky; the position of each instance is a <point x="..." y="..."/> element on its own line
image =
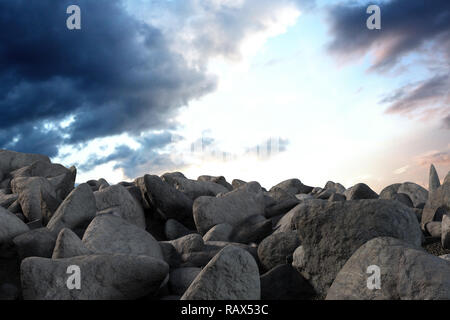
<point x="258" y="90"/>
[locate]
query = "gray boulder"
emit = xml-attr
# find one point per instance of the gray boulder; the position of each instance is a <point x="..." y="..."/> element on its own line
<point x="193" y="188"/>
<point x="108" y="234"/>
<point x="293" y="187"/>
<point x="35" y="243"/>
<point x="416" y="193"/>
<point x="78" y="209"/>
<point x="220" y="232"/>
<point x="232" y="208"/>
<point x="10" y="160"/>
<point x="10" y="226"/>
<point x="219" y="180"/>
<point x="434" y="228"/>
<point x="6" y="199"/>
<point x="165" y="199"/>
<point x="103" y="277"/>
<point x="389" y="192"/>
<point x="284" y="283"/>
<point x="68" y="245"/>
<point x="278" y="249"/>
<point x="236" y="183"/>
<point x="252" y="230"/>
<point x="330" y="233"/>
<point x="360" y="191"/>
<point x="187" y="244"/>
<point x="335" y="187"/>
<point x="123" y="202"/>
<point x="180" y="279"/>
<point x="37" y="197"/>
<point x="445" y="227"/>
<point x="437" y="205"/>
<point x="407" y="273"/>
<point x="231" y="275"/>
<point x="174" y="230"/>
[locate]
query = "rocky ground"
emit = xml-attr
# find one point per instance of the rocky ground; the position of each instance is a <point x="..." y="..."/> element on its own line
<point x="171" y="237"/>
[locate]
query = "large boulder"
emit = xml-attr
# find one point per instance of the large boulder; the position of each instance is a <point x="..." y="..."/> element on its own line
<point x="220" y="232"/>
<point x="278" y="249"/>
<point x="10" y="160"/>
<point x="68" y="245"/>
<point x="37" y="197"/>
<point x="174" y="230"/>
<point x="118" y="198"/>
<point x="445" y="231"/>
<point x="389" y="192"/>
<point x="219" y="180"/>
<point x="231" y="275"/>
<point x="193" y="188"/>
<point x="284" y="283"/>
<point x="7" y="199"/>
<point x="231" y="208"/>
<point x="335" y="187"/>
<point x="61" y="178"/>
<point x="102" y="277"/>
<point x="407" y="273"/>
<point x="78" y="209"/>
<point x="331" y="232"/>
<point x="181" y="278"/>
<point x="437" y="205"/>
<point x="416" y="193"/>
<point x="360" y="191"/>
<point x="108" y="234"/>
<point x="252" y="230"/>
<point x="165" y="199"/>
<point x="35" y="243"/>
<point x="293" y="187"/>
<point x="187" y="244"/>
<point x="10" y="226"/>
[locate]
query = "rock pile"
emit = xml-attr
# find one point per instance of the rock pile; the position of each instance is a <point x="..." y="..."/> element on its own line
<point x="171" y="237"/>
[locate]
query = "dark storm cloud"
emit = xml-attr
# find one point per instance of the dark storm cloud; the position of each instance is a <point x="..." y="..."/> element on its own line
<point x="407" y="26"/>
<point x="115" y="75"/>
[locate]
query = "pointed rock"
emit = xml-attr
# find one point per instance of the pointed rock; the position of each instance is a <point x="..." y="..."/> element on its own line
<point x="434" y="182"/>
<point x="68" y="245"/>
<point x="77" y="209"/>
<point x="231" y="275"/>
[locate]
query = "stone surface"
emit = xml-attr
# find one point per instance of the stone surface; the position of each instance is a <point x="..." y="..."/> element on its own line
<point x="231" y="275"/>
<point x="232" y="208"/>
<point x="293" y="187"/>
<point x="193" y="188"/>
<point x="120" y="199"/>
<point x="219" y="180"/>
<point x="220" y="232"/>
<point x="10" y="160"/>
<point x="68" y="245"/>
<point x="35" y="243"/>
<point x="187" y="244"/>
<point x="284" y="283"/>
<point x="360" y="191"/>
<point x="78" y="209"/>
<point x="174" y="230"/>
<point x="278" y="249"/>
<point x="434" y="228"/>
<point x="252" y="230"/>
<point x="407" y="272"/>
<point x="416" y="193"/>
<point x="445" y="231"/>
<point x="37" y="197"/>
<point x="10" y="226"/>
<point x="103" y="277"/>
<point x="330" y="233"/>
<point x="181" y="278"/>
<point x="437" y="205"/>
<point x="108" y="234"/>
<point x="169" y="202"/>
